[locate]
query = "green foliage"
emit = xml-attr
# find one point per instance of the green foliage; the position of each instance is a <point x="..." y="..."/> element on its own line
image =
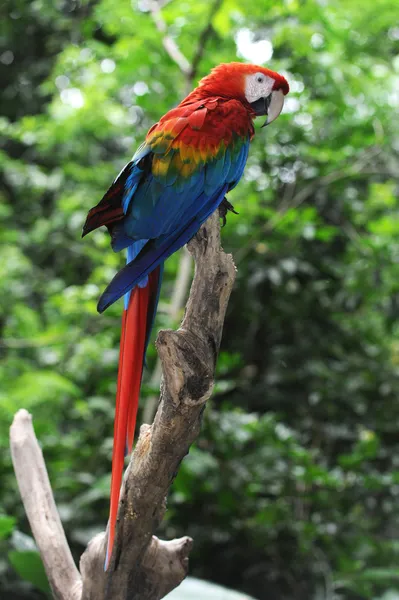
<point x="30" y="568"/>
<point x="293" y="485"/>
<point x="6" y="526"/>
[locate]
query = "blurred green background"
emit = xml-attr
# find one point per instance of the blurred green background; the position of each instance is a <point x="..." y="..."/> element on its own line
<point x="292" y="490"/>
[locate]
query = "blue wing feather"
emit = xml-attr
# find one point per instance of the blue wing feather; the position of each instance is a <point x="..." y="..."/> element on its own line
<point x="237" y="166"/>
<point x="214" y="174"/>
<point x="156" y="251"/>
<point x="131" y="184"/>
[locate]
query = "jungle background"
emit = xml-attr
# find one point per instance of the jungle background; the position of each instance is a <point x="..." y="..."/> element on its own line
<point x="292" y="490"/>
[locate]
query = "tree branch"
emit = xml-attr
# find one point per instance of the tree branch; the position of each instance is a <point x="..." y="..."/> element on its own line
<point x="203" y="38"/>
<point x="37" y="497"/>
<point x="171" y="47"/>
<point x="168" y="43"/>
<point x="142" y="566"/>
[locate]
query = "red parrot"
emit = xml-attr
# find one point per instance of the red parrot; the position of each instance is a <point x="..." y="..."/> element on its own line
<point x="190" y="159"/>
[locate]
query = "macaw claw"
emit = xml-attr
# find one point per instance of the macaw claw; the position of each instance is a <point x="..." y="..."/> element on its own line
<point x="224" y="207"/>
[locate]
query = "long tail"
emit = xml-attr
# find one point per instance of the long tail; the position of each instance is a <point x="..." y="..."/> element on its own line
<point x="137" y="320"/>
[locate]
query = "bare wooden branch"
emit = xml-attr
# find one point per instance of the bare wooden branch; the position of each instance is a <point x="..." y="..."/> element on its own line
<point x="203" y="38"/>
<point x="40" y="508"/>
<point x="142" y="567"/>
<point x="168" y="43"/>
<point x="189" y="70"/>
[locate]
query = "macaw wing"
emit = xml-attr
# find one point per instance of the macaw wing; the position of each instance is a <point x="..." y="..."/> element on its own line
<point x="113" y="205"/>
<point x="194" y="147"/>
<point x="195" y="150"/>
<point x="155" y="252"/>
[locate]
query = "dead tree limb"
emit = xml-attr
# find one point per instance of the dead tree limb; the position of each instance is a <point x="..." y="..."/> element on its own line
<point x="40" y="508"/>
<point x="142" y="566"/>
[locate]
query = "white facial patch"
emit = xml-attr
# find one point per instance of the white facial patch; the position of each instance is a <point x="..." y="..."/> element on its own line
<point x="258" y="86"/>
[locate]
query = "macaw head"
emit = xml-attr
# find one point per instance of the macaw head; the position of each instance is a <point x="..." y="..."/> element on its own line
<point x="262" y="89"/>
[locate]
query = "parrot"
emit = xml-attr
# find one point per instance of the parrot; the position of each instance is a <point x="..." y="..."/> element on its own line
<point x="177" y="178"/>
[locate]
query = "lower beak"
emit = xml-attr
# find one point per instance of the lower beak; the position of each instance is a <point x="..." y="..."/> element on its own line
<point x="270" y="106"/>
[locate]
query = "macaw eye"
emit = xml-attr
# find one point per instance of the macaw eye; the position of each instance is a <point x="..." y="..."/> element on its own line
<point x="260" y="79"/>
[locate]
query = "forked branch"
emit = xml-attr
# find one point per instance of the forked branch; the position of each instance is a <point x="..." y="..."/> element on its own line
<point x="142" y="566"/>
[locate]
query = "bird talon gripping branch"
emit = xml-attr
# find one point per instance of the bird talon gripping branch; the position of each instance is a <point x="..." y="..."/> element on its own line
<point x="224" y="208"/>
<point x="178" y="177"/>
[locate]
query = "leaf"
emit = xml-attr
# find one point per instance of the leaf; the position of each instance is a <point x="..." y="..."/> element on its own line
<point x="196" y="589"/>
<point x="29" y="566"/>
<point x="380" y="574"/>
<point x="6" y="526"/>
<point x="37" y="387"/>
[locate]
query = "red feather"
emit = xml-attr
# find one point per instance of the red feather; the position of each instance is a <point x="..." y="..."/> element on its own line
<point x="133" y="381"/>
<point x="131" y="358"/>
<point x="137" y="322"/>
<point x="118" y="453"/>
<point x="197" y="118"/>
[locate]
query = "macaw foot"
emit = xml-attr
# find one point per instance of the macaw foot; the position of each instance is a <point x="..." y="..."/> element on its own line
<point x="224" y="207"/>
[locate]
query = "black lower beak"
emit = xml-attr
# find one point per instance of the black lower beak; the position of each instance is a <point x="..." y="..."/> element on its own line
<point x="261" y="107"/>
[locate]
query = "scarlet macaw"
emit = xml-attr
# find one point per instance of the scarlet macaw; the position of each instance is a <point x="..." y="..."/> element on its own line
<point x="179" y="176"/>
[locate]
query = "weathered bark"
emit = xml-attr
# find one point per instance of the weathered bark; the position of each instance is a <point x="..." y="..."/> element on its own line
<point x="142" y="567"/>
<point x="36" y="494"/>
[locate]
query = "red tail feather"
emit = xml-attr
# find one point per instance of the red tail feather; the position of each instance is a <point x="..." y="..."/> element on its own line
<point x="117" y="456"/>
<point x="138" y="329"/>
<point x="131" y="358"/>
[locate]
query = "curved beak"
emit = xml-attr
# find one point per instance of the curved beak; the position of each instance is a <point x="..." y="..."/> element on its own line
<point x="275" y="107"/>
<point x="270" y="106"/>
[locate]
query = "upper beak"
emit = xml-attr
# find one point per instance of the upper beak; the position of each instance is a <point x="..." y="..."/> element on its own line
<point x="270" y="106"/>
<point x="276" y="106"/>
